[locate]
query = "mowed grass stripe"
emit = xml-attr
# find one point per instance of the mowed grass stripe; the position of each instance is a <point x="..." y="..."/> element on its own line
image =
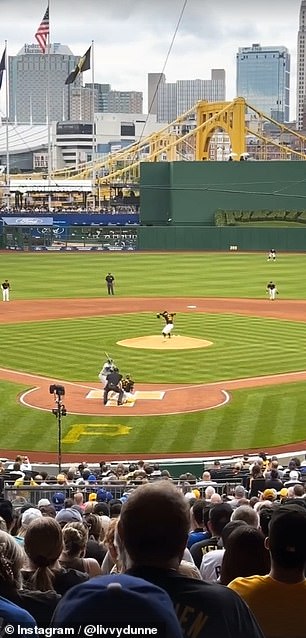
<point x="226" y="428"/>
<point x="74" y="350"/>
<point x="35" y="276"/>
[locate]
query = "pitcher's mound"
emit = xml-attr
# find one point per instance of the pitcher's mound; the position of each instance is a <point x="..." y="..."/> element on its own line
<point x="157" y="342"/>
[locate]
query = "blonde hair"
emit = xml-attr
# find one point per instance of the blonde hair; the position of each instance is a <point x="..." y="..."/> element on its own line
<point x="43" y="544"/>
<point x="189" y="570"/>
<point x="11" y="560"/>
<point x="75" y="536"/>
<point x="109" y="539"/>
<point x="3" y="525"/>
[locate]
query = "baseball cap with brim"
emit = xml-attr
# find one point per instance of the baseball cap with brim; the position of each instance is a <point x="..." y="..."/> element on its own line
<point x="131" y="601"/>
<point x="269" y="494"/>
<point x="283" y="492"/>
<point x="92" y="478"/>
<point x="103" y="496"/>
<point x="30" y="514"/>
<point x="58" y="498"/>
<point x="68" y="515"/>
<point x="43" y="501"/>
<point x="92" y="496"/>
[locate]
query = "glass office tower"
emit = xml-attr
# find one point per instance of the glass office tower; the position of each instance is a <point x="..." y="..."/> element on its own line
<point x="301" y="70"/>
<point x="263" y="79"/>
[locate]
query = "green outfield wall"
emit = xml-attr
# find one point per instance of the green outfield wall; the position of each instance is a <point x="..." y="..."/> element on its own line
<point x="179" y="201"/>
<point x="208" y="238"/>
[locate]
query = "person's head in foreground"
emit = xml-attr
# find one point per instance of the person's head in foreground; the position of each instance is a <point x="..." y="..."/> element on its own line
<point x="119" y="600"/>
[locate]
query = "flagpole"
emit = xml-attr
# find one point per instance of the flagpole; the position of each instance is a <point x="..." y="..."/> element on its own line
<point x="93" y="153"/>
<point x="48" y="110"/>
<point x="7" y="129"/>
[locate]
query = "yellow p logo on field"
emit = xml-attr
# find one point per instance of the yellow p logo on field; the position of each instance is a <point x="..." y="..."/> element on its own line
<point x="75" y="433"/>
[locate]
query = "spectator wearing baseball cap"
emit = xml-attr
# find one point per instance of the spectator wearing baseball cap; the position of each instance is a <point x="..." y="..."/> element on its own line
<point x="29" y="515"/>
<point x="43" y="502"/>
<point x="283" y="493"/>
<point x="58" y="500"/>
<point x="294" y="479"/>
<point x="103" y="496"/>
<point x="285" y="585"/>
<point x="269" y="494"/>
<point x="125" y="601"/>
<point x="153" y="529"/>
<point x="68" y="515"/>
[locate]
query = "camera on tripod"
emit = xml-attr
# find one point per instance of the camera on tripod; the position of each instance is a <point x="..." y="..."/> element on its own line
<point x="63" y="411"/>
<point x="59" y="390"/>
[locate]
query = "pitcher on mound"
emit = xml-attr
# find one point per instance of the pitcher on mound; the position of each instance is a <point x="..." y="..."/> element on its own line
<point x="169" y="319"/>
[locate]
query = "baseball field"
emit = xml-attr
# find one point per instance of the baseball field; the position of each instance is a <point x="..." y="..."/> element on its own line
<point x="242" y="389"/>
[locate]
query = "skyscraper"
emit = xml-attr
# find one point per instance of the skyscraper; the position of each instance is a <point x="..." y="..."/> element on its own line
<point x="301" y="70"/>
<point x="174" y="98"/>
<point x="109" y="101"/>
<point x="28" y="79"/>
<point x="154" y="82"/>
<point x="124" y="102"/>
<point x="263" y="79"/>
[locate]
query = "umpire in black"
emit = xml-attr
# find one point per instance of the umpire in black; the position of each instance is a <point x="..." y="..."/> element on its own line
<point x="110" y="283"/>
<point x="114" y="384"/>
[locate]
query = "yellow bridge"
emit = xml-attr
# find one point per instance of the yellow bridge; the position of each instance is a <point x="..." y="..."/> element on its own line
<point x="191" y="137"/>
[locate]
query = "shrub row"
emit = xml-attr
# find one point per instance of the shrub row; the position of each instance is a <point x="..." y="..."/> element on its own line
<point x="239" y="217"/>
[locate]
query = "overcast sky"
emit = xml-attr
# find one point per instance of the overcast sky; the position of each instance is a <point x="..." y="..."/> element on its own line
<point x="132" y="37"/>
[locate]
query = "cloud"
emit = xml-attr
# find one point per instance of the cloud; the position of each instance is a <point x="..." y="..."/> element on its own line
<point x="132" y="37"/>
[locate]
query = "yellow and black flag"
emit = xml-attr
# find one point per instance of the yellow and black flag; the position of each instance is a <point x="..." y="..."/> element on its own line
<point x="2" y="66"/>
<point x="82" y="65"/>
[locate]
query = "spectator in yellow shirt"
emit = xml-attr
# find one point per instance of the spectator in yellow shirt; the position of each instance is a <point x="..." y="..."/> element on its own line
<point x="277" y="600"/>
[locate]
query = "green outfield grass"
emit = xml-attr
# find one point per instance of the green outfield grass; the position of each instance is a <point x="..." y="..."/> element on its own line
<point x="43" y="276"/>
<point x="73" y="349"/>
<point x="253" y="419"/>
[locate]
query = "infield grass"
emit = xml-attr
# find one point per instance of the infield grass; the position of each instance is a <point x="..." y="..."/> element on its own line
<point x="73" y="349"/>
<point x="242" y="346"/>
<point x="253" y="419"/>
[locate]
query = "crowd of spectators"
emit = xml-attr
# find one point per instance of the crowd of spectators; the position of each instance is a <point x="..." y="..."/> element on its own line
<point x="231" y="561"/>
<point x="68" y="208"/>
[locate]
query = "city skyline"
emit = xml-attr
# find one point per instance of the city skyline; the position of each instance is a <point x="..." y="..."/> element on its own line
<point x="132" y="37"/>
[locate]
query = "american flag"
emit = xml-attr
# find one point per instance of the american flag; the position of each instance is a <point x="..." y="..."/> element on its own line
<point x="43" y="32"/>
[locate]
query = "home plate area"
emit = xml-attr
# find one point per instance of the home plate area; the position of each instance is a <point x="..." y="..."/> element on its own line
<point x="143" y="395"/>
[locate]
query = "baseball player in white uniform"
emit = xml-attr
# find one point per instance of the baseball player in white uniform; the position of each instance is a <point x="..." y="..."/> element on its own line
<point x="169" y="319"/>
<point x="272" y="255"/>
<point x="5" y="287"/>
<point x="272" y="290"/>
<point x="107" y="368"/>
